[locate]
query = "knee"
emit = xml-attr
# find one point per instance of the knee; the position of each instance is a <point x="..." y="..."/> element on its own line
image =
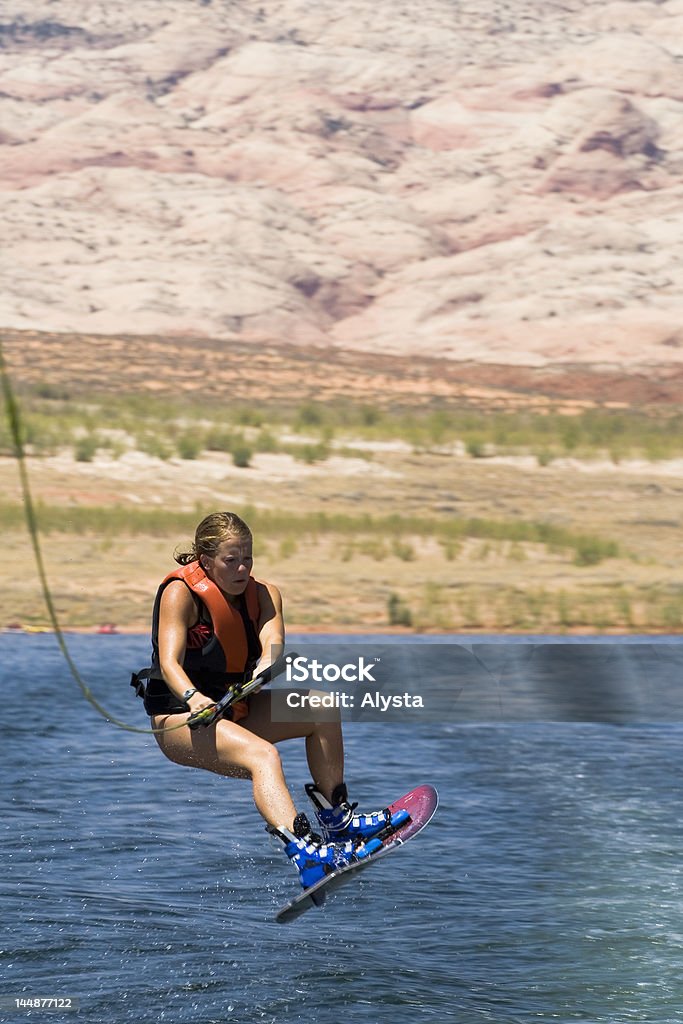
<point x="269" y="755"/>
<point x="264" y="755"/>
<point x="326" y="715"/>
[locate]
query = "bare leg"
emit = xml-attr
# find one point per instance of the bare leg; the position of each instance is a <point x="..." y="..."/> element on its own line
<point x="325" y="755"/>
<point x="228" y="749"/>
<point x="246" y="750"/>
<point x="324" y="741"/>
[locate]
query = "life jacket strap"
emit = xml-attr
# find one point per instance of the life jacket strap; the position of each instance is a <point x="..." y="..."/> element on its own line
<point x="137" y="681"/>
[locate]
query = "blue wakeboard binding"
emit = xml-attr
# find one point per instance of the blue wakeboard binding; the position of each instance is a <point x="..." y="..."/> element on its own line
<point x="313" y="857"/>
<point x="340" y="823"/>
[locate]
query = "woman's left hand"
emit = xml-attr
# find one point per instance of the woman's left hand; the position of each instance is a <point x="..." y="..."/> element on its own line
<point x="261" y="666"/>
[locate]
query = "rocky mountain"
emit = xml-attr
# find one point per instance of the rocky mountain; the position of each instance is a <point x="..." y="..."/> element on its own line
<point x="481" y="180"/>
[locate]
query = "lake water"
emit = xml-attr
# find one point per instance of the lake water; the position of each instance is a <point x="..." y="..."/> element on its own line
<point x="547" y="888"/>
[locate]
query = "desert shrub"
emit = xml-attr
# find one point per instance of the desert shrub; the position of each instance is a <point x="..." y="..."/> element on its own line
<point x="403" y="550"/>
<point x="85" y="448"/>
<point x="310" y="453"/>
<point x="248" y="416"/>
<point x="310" y="415"/>
<point x="154" y="445"/>
<point x="475" y="448"/>
<point x="242" y="454"/>
<point x="398" y="612"/>
<point x="266" y="441"/>
<point x="593" y="550"/>
<point x="220" y="439"/>
<point x="189" y="445"/>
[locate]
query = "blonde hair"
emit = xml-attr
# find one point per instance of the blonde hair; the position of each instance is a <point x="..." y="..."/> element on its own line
<point x="210" y="534"/>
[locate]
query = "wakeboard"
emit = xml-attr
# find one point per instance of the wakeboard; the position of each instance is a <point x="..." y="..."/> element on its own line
<point x="421" y="803"/>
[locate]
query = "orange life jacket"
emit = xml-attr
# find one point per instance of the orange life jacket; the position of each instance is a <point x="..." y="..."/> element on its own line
<point x="224" y="653"/>
<point x="226" y="620"/>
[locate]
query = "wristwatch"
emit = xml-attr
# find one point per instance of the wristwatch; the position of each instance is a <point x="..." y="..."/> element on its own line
<point x="188" y="694"/>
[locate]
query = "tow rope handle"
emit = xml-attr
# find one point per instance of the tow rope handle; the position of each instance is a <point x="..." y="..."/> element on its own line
<point x="207" y="716"/>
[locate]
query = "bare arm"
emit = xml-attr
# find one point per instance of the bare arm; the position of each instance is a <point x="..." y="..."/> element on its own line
<point x="177" y="613"/>
<point x="271" y="625"/>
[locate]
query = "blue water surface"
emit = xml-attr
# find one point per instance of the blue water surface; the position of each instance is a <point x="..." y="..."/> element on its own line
<point x="547" y="888"/>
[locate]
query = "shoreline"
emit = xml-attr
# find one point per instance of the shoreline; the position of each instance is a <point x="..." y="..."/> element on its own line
<point x="346" y="630"/>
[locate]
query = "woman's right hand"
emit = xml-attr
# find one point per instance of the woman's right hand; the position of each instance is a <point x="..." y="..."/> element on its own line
<point x="201" y="708"/>
<point x="199" y="701"/>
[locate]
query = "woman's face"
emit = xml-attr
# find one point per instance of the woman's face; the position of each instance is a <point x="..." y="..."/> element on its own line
<point x="231" y="566"/>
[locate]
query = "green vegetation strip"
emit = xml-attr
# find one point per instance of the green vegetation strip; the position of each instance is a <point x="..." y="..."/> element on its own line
<point x="539" y="609"/>
<point x="54" y="418"/>
<point x="112" y="520"/>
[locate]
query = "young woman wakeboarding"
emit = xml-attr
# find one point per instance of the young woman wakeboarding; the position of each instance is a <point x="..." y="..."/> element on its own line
<point x="214" y="626"/>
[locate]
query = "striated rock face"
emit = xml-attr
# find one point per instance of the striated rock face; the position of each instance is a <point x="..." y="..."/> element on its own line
<point x="470" y="179"/>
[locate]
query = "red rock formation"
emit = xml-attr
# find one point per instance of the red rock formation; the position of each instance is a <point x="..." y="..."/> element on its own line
<point x="476" y="180"/>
